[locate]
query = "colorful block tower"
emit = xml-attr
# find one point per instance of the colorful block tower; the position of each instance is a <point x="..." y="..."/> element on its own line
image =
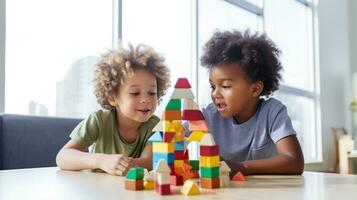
<point x="162" y="185"/>
<point x="209" y="162"/>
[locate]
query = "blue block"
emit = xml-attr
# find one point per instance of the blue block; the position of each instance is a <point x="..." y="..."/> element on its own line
<point x="179" y="146"/>
<point x="156" y="137"/>
<point x="158" y="156"/>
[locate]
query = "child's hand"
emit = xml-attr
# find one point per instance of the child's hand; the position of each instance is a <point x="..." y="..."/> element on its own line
<point x="116" y="164"/>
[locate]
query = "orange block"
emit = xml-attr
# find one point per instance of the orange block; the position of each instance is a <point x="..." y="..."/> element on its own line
<point x="210" y="182"/>
<point x="171" y="115"/>
<point x="134" y="184"/>
<point x="199" y="125"/>
<point x="238" y="177"/>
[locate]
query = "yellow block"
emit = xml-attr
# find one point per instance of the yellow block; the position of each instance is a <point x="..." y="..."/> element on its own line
<point x="209" y="161"/>
<point x="149" y="185"/>
<point x="179" y="136"/>
<point x="163" y="147"/>
<point x="196" y="136"/>
<point x="190" y="188"/>
<point x="178" y="163"/>
<point x="176" y="126"/>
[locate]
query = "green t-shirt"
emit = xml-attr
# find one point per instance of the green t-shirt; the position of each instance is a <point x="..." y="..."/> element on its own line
<point x="99" y="132"/>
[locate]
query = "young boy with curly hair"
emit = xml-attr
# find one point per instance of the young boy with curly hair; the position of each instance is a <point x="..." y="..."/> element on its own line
<point x="255" y="135"/>
<point x="128" y="84"/>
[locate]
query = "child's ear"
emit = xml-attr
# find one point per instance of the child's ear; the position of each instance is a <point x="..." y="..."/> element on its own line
<point x="112" y="99"/>
<point x="257" y="88"/>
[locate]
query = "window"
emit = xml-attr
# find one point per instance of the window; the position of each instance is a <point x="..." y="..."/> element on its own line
<point x="51" y="47"/>
<point x="165" y="26"/>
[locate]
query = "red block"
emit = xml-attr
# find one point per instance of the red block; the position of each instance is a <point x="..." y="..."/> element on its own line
<point x="192" y="115"/>
<point x="209" y="150"/>
<point x="182" y="83"/>
<point x="163" y="189"/>
<point x="195" y="173"/>
<point x="172" y="168"/>
<point x="176" y="180"/>
<point x="179" y="155"/>
<point x="168" y="136"/>
<point x="238" y="177"/>
<point x="185" y="156"/>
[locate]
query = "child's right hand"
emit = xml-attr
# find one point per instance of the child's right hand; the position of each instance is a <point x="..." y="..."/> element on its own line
<point x="115" y="164"/>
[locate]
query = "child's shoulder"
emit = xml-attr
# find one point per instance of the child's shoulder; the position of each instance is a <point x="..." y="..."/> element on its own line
<point x="272" y="104"/>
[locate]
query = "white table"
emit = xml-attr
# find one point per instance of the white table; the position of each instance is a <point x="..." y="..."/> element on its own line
<point x="52" y="183"/>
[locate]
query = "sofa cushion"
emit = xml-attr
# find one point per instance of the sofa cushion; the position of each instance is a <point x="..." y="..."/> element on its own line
<point x="32" y="141"/>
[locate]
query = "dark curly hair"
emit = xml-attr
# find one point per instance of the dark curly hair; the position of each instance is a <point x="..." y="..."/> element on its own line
<point x="257" y="55"/>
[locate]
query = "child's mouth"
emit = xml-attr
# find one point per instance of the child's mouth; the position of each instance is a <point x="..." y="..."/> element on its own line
<point x="144" y="111"/>
<point x="221" y="107"/>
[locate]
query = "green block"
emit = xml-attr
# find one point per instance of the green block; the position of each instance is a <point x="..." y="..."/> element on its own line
<point x="207" y="172"/>
<point x="135" y="173"/>
<point x="195" y="164"/>
<point x="174" y="104"/>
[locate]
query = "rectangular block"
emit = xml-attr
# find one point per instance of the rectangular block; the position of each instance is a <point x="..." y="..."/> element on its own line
<point x="174" y="104"/>
<point x="192" y="115"/>
<point x="179" y="146"/>
<point x="179" y="155"/>
<point x="163" y="189"/>
<point x="209" y="161"/>
<point x="195" y="164"/>
<point x="134" y="184"/>
<point x="209" y="150"/>
<point x="176" y="180"/>
<point x="210" y="183"/>
<point x="180" y="136"/>
<point x="198" y="125"/>
<point x="178" y="163"/>
<point x="163" y="178"/>
<point x="209" y="172"/>
<point x="184" y="93"/>
<point x="171" y="115"/>
<point x="163" y="147"/>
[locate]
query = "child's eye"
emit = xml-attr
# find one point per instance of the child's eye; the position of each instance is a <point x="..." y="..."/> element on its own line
<point x="226" y="86"/>
<point x="213" y="87"/>
<point x="152" y="93"/>
<point x="135" y="93"/>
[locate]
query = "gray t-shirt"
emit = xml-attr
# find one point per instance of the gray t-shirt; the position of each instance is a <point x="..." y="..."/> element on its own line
<point x="253" y="139"/>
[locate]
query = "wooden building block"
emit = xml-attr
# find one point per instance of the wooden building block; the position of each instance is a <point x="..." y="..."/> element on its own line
<point x="162" y="189"/>
<point x="192" y="115"/>
<point x="168" y="136"/>
<point x="238" y="177"/>
<point x="169" y="158"/>
<point x="171" y="115"/>
<point x="199" y="125"/>
<point x="178" y="163"/>
<point x="209" y="161"/>
<point x="135" y="173"/>
<point x="190" y="188"/>
<point x="162" y="167"/>
<point x="176" y="180"/>
<point x="182" y="83"/>
<point x="179" y="146"/>
<point x="174" y="104"/>
<point x="196" y="173"/>
<point x="134" y="184"/>
<point x="209" y="150"/>
<point x="149" y="185"/>
<point x="162" y="178"/>
<point x="190" y="104"/>
<point x="195" y="164"/>
<point x="196" y="136"/>
<point x="224" y="168"/>
<point x="162" y="126"/>
<point x="224" y="180"/>
<point x="163" y="147"/>
<point x="208" y="140"/>
<point x="207" y="172"/>
<point x="179" y="137"/>
<point x="182" y="93"/>
<point x="210" y="182"/>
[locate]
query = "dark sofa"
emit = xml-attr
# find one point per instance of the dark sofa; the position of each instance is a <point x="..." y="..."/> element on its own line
<point x="32" y="141"/>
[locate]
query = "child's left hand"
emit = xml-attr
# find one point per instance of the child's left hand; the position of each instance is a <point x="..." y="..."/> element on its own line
<point x="123" y="168"/>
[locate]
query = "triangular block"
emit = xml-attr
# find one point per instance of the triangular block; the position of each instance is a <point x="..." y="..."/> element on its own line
<point x="162" y="167"/>
<point x="224" y="168"/>
<point x="208" y="140"/>
<point x="182" y="94"/>
<point x="182" y="83"/>
<point x="238" y="177"/>
<point x="156" y="137"/>
<point x="196" y="136"/>
<point x="190" y="188"/>
<point x="192" y="115"/>
<point x="199" y="125"/>
<point x="162" y="126"/>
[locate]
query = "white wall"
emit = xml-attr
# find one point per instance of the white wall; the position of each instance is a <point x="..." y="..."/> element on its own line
<point x="2" y="55"/>
<point x="335" y="73"/>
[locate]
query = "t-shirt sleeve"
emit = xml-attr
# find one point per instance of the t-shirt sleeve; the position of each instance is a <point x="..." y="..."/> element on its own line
<point x="86" y="132"/>
<point x="281" y="126"/>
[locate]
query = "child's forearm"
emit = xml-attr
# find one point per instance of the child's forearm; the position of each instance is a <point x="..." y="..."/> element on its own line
<point x="281" y="164"/>
<point x="143" y="162"/>
<point x="73" y="159"/>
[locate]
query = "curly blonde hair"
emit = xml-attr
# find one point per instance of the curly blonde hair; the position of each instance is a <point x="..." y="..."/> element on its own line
<point x="115" y="65"/>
